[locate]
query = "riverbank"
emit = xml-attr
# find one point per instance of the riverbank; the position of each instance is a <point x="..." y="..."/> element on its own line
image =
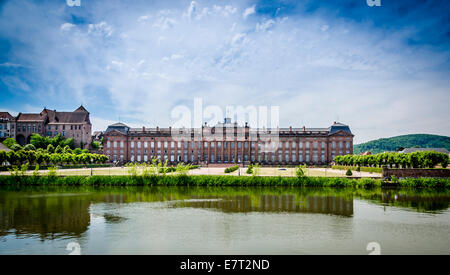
<point x="213" y="180"/>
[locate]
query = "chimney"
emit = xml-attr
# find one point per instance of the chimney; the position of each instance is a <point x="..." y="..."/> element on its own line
<point x="290" y="128"/>
<point x="304" y="129"/>
<point x="157" y="128"/>
<point x="143" y="128"/>
<point x="334" y="122"/>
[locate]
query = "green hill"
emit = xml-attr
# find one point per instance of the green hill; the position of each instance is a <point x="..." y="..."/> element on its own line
<point x="391" y="144"/>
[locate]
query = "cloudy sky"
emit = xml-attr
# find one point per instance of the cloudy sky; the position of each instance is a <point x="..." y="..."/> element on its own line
<point x="382" y="70"/>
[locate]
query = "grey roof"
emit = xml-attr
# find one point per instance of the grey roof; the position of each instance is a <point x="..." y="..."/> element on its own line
<point x="412" y="150"/>
<point x="337" y="126"/>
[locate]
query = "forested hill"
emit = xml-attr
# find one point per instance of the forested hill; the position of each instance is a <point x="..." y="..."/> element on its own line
<point x="391" y="144"/>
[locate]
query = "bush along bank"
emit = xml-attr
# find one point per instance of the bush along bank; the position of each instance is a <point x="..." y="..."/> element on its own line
<point x="210" y="180"/>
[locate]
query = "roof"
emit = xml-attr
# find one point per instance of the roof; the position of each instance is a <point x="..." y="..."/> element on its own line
<point x="66" y="117"/>
<point x="29" y="117"/>
<point x="119" y="124"/>
<point x="337" y="126"/>
<point x="6" y="116"/>
<point x="81" y="109"/>
<point x="411" y="150"/>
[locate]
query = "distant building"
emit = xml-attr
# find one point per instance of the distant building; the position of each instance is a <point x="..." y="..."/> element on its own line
<point x="366" y="153"/>
<point x="76" y="125"/>
<point x="7" y="126"/>
<point x="411" y="150"/>
<point x="227" y="143"/>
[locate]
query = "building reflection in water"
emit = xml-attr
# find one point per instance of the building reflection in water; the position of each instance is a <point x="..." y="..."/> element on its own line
<point x="47" y="216"/>
<point x="290" y="203"/>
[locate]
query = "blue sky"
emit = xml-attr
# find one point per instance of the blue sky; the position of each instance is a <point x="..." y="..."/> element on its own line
<point x="382" y="70"/>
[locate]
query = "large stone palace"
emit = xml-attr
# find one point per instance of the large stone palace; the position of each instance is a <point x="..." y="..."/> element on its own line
<point x="227" y="143"/>
<point x="76" y="125"/>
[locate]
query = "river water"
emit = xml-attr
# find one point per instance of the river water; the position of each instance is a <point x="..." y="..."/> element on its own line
<point x="223" y="220"/>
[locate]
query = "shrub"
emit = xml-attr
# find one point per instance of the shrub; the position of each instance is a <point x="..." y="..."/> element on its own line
<point x="358" y="169"/>
<point x="348" y="173"/>
<point x="231" y="169"/>
<point x="300" y="172"/>
<point x="250" y="169"/>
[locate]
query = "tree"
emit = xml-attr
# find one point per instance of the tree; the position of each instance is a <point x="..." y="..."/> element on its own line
<point x="50" y="148"/>
<point x="16" y="147"/>
<point x="9" y="142"/>
<point x="58" y="149"/>
<point x="67" y="150"/>
<point x="3" y="157"/>
<point x="38" y="141"/>
<point x="29" y="147"/>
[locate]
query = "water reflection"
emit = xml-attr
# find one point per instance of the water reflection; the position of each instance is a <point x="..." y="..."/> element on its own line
<point x="53" y="212"/>
<point x="293" y="203"/>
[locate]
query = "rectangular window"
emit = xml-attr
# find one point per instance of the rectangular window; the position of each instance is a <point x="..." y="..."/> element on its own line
<point x="121" y="144"/>
<point x="132" y="144"/>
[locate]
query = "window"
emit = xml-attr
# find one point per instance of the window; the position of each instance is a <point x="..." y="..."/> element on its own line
<point x="212" y="146"/>
<point x="138" y="144"/>
<point x="121" y="144"/>
<point x="205" y="144"/>
<point x="172" y="144"/>
<point x="145" y="144"/>
<point x="245" y="145"/>
<point x="307" y="145"/>
<point x="132" y="144"/>
<point x="232" y="146"/>
<point x="159" y="144"/>
<point x="239" y="145"/>
<point x="115" y="144"/>
<point x="64" y="133"/>
<point x="323" y="144"/>
<point x="108" y="143"/>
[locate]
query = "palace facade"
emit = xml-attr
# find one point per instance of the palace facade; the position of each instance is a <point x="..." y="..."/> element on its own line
<point x="228" y="143"/>
<point x="76" y="125"/>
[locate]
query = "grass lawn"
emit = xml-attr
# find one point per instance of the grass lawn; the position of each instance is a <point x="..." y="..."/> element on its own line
<point x="263" y="171"/>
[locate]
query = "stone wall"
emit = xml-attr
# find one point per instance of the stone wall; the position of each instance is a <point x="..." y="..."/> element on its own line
<point x="416" y="173"/>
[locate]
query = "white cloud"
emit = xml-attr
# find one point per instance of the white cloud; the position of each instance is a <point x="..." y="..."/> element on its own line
<point x="101" y="28"/>
<point x="67" y="26"/>
<point x="249" y="11"/>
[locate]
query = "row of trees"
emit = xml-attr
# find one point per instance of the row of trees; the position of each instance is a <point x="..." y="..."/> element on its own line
<point x="35" y="157"/>
<point x="426" y="159"/>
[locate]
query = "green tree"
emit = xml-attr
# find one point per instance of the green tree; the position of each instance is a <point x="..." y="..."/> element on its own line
<point x="50" y="149"/>
<point x="16" y="147"/>
<point x="29" y="147"/>
<point x="9" y="142"/>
